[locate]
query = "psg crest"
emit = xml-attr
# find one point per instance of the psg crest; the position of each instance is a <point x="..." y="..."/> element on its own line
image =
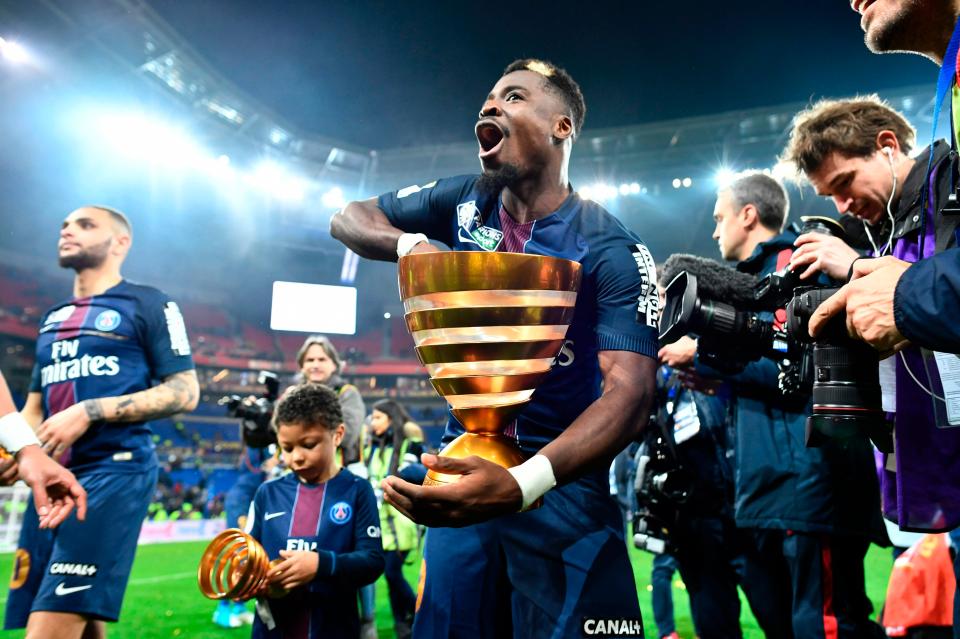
<point x="340" y="512"/>
<point x="107" y="321"/>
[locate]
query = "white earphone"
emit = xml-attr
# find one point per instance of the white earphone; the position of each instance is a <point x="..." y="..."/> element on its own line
<point x="888" y="247"/>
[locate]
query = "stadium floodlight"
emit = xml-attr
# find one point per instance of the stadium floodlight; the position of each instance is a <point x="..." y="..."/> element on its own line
<point x="687" y="182"/>
<point x="333" y="199"/>
<point x="272" y="178"/>
<point x="677" y="182"/>
<point x="386" y="315"/>
<point x="724" y="177"/>
<point x="13" y="52"/>
<point x="634" y="188"/>
<point x="599" y="192"/>
<point x="624" y="189"/>
<point x="141" y="135"/>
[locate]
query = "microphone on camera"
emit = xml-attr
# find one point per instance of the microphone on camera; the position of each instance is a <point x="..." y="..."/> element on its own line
<point x="714" y="280"/>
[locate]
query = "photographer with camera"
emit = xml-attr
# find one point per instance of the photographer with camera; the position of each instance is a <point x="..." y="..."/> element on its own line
<point x="320" y="363"/>
<point x="685" y="489"/>
<point x="808" y="514"/>
<point x="856" y="152"/>
<point x="892" y="300"/>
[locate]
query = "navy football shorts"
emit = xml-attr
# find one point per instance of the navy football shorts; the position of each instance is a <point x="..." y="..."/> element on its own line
<point x="81" y="567"/>
<point x="543" y="573"/>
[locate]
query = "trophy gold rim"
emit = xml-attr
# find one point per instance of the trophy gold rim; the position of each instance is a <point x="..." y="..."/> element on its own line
<point x="445" y="271"/>
<point x="233" y="566"/>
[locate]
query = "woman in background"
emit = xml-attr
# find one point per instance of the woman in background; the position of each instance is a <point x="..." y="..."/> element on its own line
<point x="394" y="449"/>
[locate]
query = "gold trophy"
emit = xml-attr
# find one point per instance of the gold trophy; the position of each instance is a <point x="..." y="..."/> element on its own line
<point x="487" y="326"/>
<point x="235" y="566"/>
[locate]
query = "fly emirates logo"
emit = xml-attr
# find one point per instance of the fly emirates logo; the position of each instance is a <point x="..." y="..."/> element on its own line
<point x="67" y="366"/>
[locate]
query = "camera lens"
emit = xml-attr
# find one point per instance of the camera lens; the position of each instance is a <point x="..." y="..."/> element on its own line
<point x="846" y="393"/>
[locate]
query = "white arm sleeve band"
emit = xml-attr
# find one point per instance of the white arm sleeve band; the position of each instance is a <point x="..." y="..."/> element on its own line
<point x="407" y="241"/>
<point x="15" y="432"/>
<point x="535" y="477"/>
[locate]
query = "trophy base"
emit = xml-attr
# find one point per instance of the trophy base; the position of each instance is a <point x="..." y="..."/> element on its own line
<point x="497" y="448"/>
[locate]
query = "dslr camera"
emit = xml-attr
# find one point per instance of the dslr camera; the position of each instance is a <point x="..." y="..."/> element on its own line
<point x="255" y="414"/>
<point x="841" y="374"/>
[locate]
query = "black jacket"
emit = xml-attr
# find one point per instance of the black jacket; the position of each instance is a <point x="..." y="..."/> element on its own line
<point x="927" y="298"/>
<point x="779" y="482"/>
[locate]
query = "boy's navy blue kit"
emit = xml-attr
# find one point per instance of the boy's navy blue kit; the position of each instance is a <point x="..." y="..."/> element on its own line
<point x="338" y="520"/>
<point x="105" y="345"/>
<point x="547" y="572"/>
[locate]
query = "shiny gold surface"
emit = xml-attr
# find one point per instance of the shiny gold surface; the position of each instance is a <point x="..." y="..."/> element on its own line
<point x="481" y="334"/>
<point x="487" y="316"/>
<point x="441" y="353"/>
<point x="481" y="299"/>
<point x="488" y="419"/>
<point x="486" y="383"/>
<point x="496" y="448"/>
<point x="441" y="271"/>
<point x="235" y="566"/>
<point x="493" y="367"/>
<point x="487" y="400"/>
<point x="487" y="326"/>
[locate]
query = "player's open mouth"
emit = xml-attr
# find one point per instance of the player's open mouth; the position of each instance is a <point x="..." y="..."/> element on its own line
<point x="490" y="136"/>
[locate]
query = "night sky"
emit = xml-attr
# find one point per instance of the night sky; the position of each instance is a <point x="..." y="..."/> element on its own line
<point x="388" y="74"/>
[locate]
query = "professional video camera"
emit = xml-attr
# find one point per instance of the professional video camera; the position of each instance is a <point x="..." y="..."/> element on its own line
<point x="255" y="413"/>
<point x="662" y="483"/>
<point x="841" y="373"/>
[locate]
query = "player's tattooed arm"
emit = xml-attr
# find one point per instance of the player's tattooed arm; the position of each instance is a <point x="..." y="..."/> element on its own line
<point x="177" y="393"/>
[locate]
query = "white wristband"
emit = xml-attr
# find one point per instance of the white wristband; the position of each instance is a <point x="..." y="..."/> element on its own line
<point x="535" y="477"/>
<point x="15" y="433"/>
<point x="407" y="241"/>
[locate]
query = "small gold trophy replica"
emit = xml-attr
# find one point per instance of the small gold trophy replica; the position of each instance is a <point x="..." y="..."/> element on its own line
<point x="235" y="566"/>
<point x="487" y="326"/>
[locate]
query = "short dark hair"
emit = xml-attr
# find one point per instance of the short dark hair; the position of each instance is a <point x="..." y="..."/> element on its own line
<point x="765" y="193"/>
<point x="118" y="217"/>
<point x="558" y="80"/>
<point x="849" y="127"/>
<point x="308" y="404"/>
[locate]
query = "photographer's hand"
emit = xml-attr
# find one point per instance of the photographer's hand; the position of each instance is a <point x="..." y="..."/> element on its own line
<point x="822" y="253"/>
<point x="679" y="354"/>
<point x="868" y="301"/>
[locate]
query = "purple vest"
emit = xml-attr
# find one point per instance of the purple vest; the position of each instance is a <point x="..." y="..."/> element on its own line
<point x="924" y="492"/>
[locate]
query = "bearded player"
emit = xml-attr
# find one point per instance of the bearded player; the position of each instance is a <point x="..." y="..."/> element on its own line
<point x="562" y="569"/>
<point x="92" y="394"/>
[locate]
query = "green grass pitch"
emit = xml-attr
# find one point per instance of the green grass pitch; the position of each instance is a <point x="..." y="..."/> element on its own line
<point x="163" y="600"/>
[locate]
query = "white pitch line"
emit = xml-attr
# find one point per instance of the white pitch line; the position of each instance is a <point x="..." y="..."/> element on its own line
<point x="160" y="578"/>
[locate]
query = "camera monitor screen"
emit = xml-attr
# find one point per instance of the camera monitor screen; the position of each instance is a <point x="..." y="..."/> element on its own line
<point x="314" y="308"/>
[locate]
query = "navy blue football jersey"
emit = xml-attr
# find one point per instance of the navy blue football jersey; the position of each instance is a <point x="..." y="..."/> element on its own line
<point x="617" y="306"/>
<point x="116" y="343"/>
<point x="338" y="520"/>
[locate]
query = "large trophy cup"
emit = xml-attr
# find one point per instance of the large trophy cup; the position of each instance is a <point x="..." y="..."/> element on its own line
<point x="487" y="326"/>
<point x="235" y="566"/>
